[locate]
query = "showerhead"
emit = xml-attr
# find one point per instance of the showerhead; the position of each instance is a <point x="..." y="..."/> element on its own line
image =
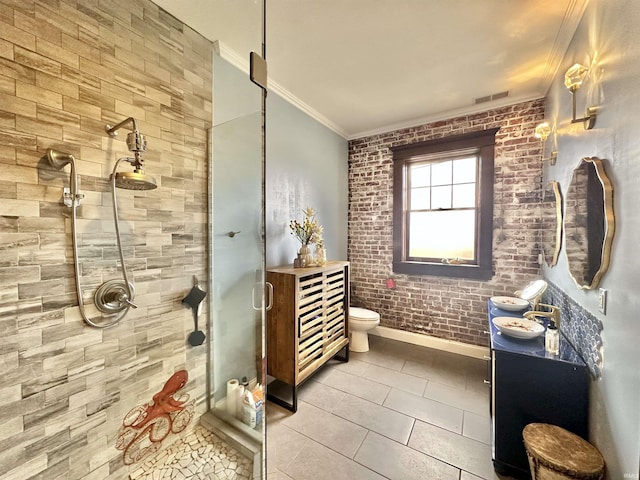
<point x="59" y="159"/>
<point x="135" y="181"/>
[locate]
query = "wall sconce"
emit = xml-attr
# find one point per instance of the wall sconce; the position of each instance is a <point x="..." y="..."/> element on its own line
<point x="573" y="80"/>
<point x="542" y="131"/>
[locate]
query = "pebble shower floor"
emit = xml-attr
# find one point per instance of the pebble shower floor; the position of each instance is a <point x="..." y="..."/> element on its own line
<point x="201" y="455"/>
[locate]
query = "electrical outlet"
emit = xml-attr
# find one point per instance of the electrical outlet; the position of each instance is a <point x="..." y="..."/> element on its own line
<point x="602" y="300"/>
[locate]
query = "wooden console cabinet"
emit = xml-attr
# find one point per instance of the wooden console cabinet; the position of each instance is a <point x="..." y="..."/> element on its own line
<point x="307" y="324"/>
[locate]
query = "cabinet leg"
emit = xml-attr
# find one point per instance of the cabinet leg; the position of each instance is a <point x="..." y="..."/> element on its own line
<point x="291" y="406"/>
<point x="345" y="357"/>
<point x="294" y="396"/>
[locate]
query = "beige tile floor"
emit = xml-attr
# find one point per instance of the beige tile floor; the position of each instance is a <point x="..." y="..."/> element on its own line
<point x="397" y="412"/>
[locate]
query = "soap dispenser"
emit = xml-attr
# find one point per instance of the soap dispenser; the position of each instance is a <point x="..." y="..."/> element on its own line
<point x="552" y="338"/>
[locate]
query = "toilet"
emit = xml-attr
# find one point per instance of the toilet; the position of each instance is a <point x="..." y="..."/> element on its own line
<point x="361" y="321"/>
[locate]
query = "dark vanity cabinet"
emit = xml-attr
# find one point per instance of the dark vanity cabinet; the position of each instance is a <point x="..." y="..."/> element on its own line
<point x="529" y="386"/>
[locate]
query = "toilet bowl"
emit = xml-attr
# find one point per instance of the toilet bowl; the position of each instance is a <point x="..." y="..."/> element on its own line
<point x="361" y="321"/>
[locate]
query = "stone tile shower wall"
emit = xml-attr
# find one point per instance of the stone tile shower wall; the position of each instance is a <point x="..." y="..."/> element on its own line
<point x="67" y="68"/>
<point x="448" y="308"/>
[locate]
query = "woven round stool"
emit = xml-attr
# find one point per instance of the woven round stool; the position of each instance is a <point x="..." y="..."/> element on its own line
<point x="556" y="454"/>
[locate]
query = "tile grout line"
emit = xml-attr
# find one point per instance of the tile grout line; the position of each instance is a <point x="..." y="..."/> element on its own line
<point x="394" y="410"/>
<point x="362" y="465"/>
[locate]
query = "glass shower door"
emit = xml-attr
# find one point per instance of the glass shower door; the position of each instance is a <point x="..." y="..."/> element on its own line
<point x="237" y="250"/>
<point x="237" y="254"/>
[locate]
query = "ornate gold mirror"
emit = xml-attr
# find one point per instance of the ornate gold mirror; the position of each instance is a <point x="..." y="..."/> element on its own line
<point x="589" y="223"/>
<point x="551" y="218"/>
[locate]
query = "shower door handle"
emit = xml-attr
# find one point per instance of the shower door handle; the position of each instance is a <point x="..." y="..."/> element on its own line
<point x="269" y="297"/>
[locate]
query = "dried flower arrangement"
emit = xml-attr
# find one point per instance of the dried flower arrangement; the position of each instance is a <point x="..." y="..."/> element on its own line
<point x="308" y="232"/>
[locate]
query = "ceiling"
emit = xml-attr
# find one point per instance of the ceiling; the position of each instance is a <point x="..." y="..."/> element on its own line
<point x="367" y="66"/>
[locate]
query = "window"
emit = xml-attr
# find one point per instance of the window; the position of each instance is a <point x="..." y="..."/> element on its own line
<point x="443" y="206"/>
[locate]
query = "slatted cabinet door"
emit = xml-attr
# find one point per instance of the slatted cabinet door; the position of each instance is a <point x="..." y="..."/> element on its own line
<point x="334" y="310"/>
<point x="311" y="319"/>
<point x="308" y="324"/>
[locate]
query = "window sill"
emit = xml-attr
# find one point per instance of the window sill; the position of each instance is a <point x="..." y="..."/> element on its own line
<point x="473" y="272"/>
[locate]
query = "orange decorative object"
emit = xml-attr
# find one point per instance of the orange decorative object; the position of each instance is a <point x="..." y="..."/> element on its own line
<point x="146" y="426"/>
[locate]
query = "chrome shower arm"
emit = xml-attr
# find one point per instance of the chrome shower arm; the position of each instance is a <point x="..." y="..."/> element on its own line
<point x="113" y="131"/>
<point x="135" y="140"/>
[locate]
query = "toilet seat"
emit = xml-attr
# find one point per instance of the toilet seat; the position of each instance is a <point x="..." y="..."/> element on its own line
<point x="363" y="315"/>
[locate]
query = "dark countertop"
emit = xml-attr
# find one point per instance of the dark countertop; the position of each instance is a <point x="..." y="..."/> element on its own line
<point x="533" y="347"/>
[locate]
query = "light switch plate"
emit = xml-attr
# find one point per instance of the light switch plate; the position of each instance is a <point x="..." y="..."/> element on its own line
<point x="602" y="300"/>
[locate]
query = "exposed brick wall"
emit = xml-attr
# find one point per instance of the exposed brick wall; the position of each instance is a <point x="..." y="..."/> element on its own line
<point x="443" y="307"/>
<point x="68" y="68"/>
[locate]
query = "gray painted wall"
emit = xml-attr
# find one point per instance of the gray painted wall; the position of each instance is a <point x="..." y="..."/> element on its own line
<point x="306" y="167"/>
<point x="608" y="39"/>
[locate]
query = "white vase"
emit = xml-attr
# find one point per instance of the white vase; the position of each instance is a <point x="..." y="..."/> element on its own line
<point x="305" y="259"/>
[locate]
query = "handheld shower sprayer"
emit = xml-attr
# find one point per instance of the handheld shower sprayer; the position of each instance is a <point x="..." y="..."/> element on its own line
<point x="113" y="297"/>
<point x="58" y="160"/>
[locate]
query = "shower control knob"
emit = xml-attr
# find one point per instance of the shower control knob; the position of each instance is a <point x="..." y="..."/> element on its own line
<point x="113" y="297"/>
<point x="125" y="299"/>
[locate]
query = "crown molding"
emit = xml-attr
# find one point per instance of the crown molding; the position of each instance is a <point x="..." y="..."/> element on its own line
<point x="231" y="56"/>
<point x="242" y="64"/>
<point x="572" y="17"/>
<point x="239" y="62"/>
<point x="282" y="92"/>
<point x="573" y="14"/>
<point x="447" y="115"/>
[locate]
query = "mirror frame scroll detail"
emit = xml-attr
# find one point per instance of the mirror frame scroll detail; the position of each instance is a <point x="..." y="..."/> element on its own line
<point x="609" y="222"/>
<point x="555" y="186"/>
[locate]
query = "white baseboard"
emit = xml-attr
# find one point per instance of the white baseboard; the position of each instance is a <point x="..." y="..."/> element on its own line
<point x="452" y="346"/>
